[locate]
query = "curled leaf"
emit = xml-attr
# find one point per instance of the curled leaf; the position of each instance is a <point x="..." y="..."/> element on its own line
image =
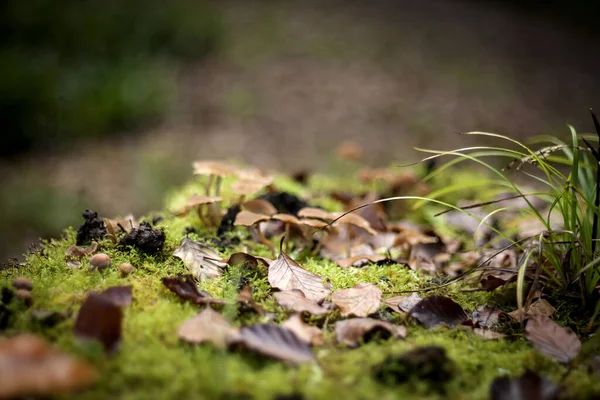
<point x="202" y="261"/>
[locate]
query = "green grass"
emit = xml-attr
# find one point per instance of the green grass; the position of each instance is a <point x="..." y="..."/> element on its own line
<point x="152" y="363"/>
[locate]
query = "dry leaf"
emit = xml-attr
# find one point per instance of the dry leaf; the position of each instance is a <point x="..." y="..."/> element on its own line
<point x="295" y="300"/>
<point x="100" y="318"/>
<point x="310" y="334"/>
<point x="361" y="300"/>
<point x="403" y="304"/>
<point x="538" y="307"/>
<point x="185" y="287"/>
<point x="287" y="274"/>
<point x="245" y="297"/>
<point x="438" y="310"/>
<point x="121" y="296"/>
<point x="552" y="339"/>
<point x="359" y="261"/>
<point x="30" y="366"/>
<point x="486" y="316"/>
<point x="208" y="326"/>
<point x="276" y="342"/>
<point x="200" y="259"/>
<point x="351" y="331"/>
<point x="247" y="260"/>
<point x="528" y="386"/>
<point x="74" y="254"/>
<point x="487" y="334"/>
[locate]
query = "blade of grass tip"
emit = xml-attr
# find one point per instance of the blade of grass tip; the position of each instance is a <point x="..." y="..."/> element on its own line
<point x="597" y="198"/>
<point x="521" y="285"/>
<point x="487" y="203"/>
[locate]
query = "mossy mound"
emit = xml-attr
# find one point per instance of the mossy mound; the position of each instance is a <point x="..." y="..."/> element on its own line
<point x="153" y="363"/>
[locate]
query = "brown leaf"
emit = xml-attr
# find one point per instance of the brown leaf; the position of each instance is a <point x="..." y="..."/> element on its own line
<point x="552" y="339"/>
<point x="351" y="331"/>
<point x="245" y="297"/>
<point x="359" y="261"/>
<point x="487" y="334"/>
<point x="310" y="334"/>
<point x="486" y="316"/>
<point x="247" y="260"/>
<point x="361" y="300"/>
<point x="125" y="224"/>
<point x="30" y="366"/>
<point x="492" y="282"/>
<point x="200" y="259"/>
<point x="403" y="304"/>
<point x="247" y="218"/>
<point x="538" y="307"/>
<point x="295" y="300"/>
<point x="276" y="342"/>
<point x="120" y="295"/>
<point x="287" y="274"/>
<point x="438" y="310"/>
<point x="100" y="318"/>
<point x="186" y="289"/>
<point x="208" y="326"/>
<point x="74" y="254"/>
<point x="528" y="386"/>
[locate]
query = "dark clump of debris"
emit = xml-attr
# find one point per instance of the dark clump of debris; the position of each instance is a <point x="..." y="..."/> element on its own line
<point x="426" y="363"/>
<point x="228" y="219"/>
<point x="144" y="238"/>
<point x="92" y="229"/>
<point x="285" y="202"/>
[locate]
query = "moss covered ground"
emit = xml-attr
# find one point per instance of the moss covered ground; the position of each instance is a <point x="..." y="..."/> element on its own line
<point x="153" y="364"/>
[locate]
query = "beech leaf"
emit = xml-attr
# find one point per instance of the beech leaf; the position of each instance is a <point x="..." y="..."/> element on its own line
<point x="361" y="300"/>
<point x="100" y="318"/>
<point x="296" y="301"/>
<point x="438" y="310"/>
<point x="403" y="303"/>
<point x="208" y="326"/>
<point x="276" y="342"/>
<point x="351" y="331"/>
<point x="186" y="289"/>
<point x="486" y="316"/>
<point x="309" y="334"/>
<point x="538" y="307"/>
<point x="359" y="260"/>
<point x="287" y="274"/>
<point x="202" y="261"/>
<point x="552" y="339"/>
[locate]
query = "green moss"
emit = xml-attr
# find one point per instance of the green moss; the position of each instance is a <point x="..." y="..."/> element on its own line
<point x="152" y="363"/>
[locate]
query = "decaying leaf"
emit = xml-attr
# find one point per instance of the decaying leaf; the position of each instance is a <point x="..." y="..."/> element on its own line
<point x="552" y="339"/>
<point x="403" y="304"/>
<point x="30" y="366"/>
<point x="538" y="307"/>
<point x="246" y="298"/>
<point x="119" y="295"/>
<point x="296" y="301"/>
<point x="74" y="254"/>
<point x="202" y="261"/>
<point x="529" y="386"/>
<point x="287" y="274"/>
<point x="208" y="326"/>
<point x="276" y="342"/>
<point x="486" y="316"/>
<point x="185" y="287"/>
<point x="361" y="300"/>
<point x="100" y="318"/>
<point x="438" y="310"/>
<point x="247" y="260"/>
<point x="351" y="331"/>
<point x="310" y="334"/>
<point x="488" y="335"/>
<point x="359" y="261"/>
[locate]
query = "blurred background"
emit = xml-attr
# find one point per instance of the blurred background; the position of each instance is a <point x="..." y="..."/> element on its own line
<point x="104" y="104"/>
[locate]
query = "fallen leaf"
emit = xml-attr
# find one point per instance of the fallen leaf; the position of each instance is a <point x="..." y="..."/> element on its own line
<point x="438" y="310"/>
<point x="119" y="295"/>
<point x="361" y="300"/>
<point x="246" y="260"/>
<point x="74" y="254"/>
<point x="310" y="334"/>
<point x="287" y="274"/>
<point x="100" y="318"/>
<point x="276" y="342"/>
<point x="186" y="289"/>
<point x="351" y="331"/>
<point x="488" y="335"/>
<point x="538" y="307"/>
<point x="245" y="297"/>
<point x="202" y="261"/>
<point x="296" y="301"/>
<point x="529" y="386"/>
<point x="486" y="316"/>
<point x="491" y="282"/>
<point x="403" y="303"/>
<point x="208" y="326"/>
<point x="359" y="261"/>
<point x="125" y="224"/>
<point x="30" y="366"/>
<point x="552" y="339"/>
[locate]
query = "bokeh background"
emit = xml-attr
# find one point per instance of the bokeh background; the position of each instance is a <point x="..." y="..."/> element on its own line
<point x="104" y="104"/>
